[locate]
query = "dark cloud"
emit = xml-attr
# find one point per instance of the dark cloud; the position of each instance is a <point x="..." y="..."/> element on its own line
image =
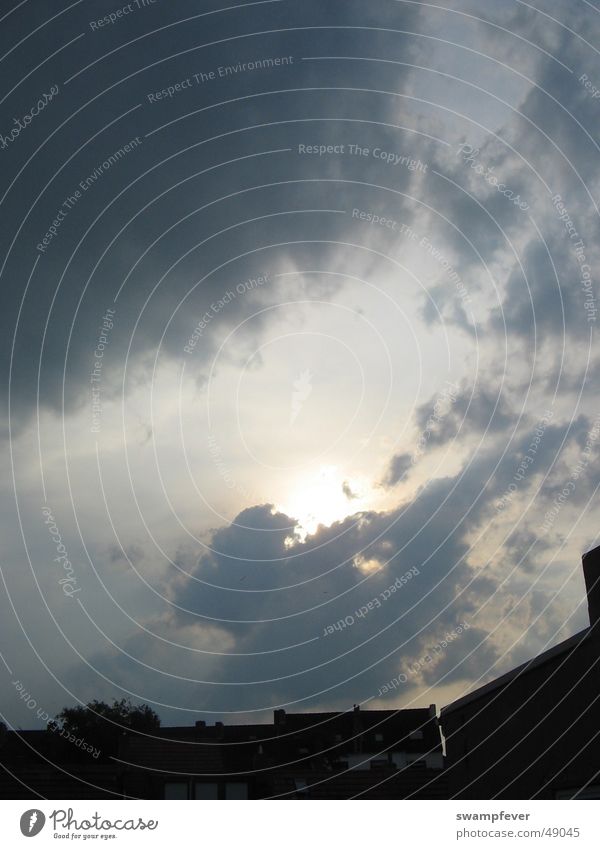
<point x="157" y="226"/>
<point x="399" y="465"/>
<point x="129" y="554"/>
<point x="348" y="492"/>
<point x="294" y="594"/>
<point x="454" y="412"/>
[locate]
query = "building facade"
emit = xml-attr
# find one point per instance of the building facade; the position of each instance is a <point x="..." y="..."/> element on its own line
<point x="356" y="754"/>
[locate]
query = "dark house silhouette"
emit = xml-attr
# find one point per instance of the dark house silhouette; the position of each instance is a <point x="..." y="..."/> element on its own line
<point x="370" y="754"/>
<point x="534" y="732"/>
<point x="38" y="764"/>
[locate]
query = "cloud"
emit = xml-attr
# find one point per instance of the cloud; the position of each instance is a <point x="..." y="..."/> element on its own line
<point x="399" y="465"/>
<point x="348" y="492"/>
<point x="293" y="593"/>
<point x="130" y="554"/>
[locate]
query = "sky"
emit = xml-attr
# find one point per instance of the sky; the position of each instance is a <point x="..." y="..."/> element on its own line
<point x="299" y="350"/>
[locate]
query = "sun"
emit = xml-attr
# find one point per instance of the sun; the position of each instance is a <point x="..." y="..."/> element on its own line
<point x="322" y="497"/>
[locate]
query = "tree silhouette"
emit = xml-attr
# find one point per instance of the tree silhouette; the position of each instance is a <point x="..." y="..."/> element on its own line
<point x="100" y="724"/>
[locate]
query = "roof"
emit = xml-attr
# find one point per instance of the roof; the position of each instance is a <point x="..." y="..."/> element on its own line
<point x="547" y="656"/>
<point x="164" y="755"/>
<point x="295" y="738"/>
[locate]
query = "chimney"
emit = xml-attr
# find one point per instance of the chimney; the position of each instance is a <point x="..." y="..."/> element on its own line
<point x="200" y="723"/>
<point x="218" y="725"/>
<point x="279" y="717"/>
<point x="357" y="728"/>
<point x="591" y="573"/>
